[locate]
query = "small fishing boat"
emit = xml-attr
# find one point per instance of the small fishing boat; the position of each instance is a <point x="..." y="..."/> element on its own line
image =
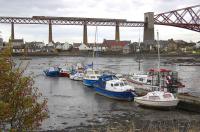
<point x="155" y="79"/>
<point x="90" y="77"/>
<point x="110" y="86"/>
<point x="77" y="75"/>
<point x="64" y="72"/>
<point x="157" y="99"/>
<point x="52" y="72"/>
<point x="150" y="81"/>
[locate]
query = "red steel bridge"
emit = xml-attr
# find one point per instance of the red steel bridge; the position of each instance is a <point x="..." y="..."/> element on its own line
<point x="188" y="18"/>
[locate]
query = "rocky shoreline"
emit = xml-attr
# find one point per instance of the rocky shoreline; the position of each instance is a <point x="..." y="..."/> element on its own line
<point x="126" y="121"/>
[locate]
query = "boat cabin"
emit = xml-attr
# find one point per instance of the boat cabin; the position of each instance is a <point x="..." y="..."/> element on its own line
<point x="157" y="96"/>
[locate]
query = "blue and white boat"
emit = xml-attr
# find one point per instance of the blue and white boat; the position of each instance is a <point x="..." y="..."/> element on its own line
<point x="110" y="86"/>
<point x="76" y="75"/>
<point x="52" y="72"/>
<point x="90" y="77"/>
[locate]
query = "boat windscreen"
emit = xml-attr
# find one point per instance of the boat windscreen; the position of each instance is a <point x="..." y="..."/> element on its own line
<point x="116" y="84"/>
<point x="121" y="84"/>
<point x="167" y="95"/>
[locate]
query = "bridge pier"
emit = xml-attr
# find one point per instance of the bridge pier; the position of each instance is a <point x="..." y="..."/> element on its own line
<point x="50" y="32"/>
<point x="85" y="41"/>
<point x="117" y="35"/>
<point x="148" y="27"/>
<point x="12" y="37"/>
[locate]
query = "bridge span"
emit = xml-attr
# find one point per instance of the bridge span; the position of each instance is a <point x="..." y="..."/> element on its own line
<point x="188" y="18"/>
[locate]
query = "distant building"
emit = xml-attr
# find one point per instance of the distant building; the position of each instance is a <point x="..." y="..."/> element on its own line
<point x="34" y="46"/>
<point x="100" y="47"/>
<point x="113" y="45"/>
<point x="76" y="45"/>
<point x="17" y="42"/>
<point x="17" y="45"/>
<point x="126" y="49"/>
<point x="84" y="47"/>
<point x="63" y="46"/>
<point x="51" y="44"/>
<point x="149" y="45"/>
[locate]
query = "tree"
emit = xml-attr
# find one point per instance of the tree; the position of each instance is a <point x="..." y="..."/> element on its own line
<point x="21" y="106"/>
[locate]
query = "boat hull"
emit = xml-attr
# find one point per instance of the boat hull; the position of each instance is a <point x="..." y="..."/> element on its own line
<point x="64" y="74"/>
<point x="51" y="73"/>
<point x="157" y="104"/>
<point x="89" y="83"/>
<point x="126" y="95"/>
<point x="76" y="78"/>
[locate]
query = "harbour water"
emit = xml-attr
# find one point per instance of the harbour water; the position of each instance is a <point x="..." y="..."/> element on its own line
<point x="73" y="106"/>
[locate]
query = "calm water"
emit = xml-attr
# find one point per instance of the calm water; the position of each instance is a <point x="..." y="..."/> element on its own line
<point x="71" y="104"/>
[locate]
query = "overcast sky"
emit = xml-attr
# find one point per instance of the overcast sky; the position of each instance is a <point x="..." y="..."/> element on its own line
<point x="126" y="9"/>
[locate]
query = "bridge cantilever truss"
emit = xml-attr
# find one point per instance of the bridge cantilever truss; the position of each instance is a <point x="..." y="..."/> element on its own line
<point x="71" y="21"/>
<point x="188" y="18"/>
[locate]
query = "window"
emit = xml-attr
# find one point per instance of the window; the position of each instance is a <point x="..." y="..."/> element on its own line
<point x="121" y="84"/>
<point x="111" y="85"/>
<point x="96" y="72"/>
<point x="116" y="84"/>
<point x="141" y="79"/>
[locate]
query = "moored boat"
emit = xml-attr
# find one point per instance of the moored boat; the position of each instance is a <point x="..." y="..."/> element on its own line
<point x="90" y="77"/>
<point x="157" y="99"/>
<point x="64" y="72"/>
<point x="110" y="86"/>
<point x="156" y="80"/>
<point x="77" y="76"/>
<point x="52" y="72"/>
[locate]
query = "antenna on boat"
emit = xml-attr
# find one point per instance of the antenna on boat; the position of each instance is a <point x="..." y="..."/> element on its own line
<point x="139" y="51"/>
<point x="95" y="39"/>
<point x="158" y="45"/>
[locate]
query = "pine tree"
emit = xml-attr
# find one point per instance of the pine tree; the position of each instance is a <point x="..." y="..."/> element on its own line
<point x="21" y="106"/>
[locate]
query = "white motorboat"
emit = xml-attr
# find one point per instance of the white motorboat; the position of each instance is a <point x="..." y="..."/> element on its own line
<point x="77" y="76"/>
<point x="90" y="77"/>
<point x="157" y="99"/>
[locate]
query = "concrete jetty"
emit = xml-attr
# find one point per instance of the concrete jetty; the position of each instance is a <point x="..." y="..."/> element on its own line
<point x="189" y="102"/>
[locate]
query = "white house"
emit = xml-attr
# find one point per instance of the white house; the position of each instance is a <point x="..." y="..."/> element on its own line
<point x="63" y="46"/>
<point x="40" y="44"/>
<point x="17" y="42"/>
<point x="66" y="46"/>
<point x="50" y="44"/>
<point x="84" y="47"/>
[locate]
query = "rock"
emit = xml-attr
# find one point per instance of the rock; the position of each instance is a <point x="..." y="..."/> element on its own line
<point x="64" y="123"/>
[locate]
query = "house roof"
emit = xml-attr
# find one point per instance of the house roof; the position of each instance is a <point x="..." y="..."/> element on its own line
<point x="110" y="43"/>
<point x="18" y="40"/>
<point x="76" y="45"/>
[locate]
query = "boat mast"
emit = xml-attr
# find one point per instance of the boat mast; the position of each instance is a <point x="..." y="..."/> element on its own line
<point x="139" y="53"/>
<point x="95" y="39"/>
<point x="158" y="45"/>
